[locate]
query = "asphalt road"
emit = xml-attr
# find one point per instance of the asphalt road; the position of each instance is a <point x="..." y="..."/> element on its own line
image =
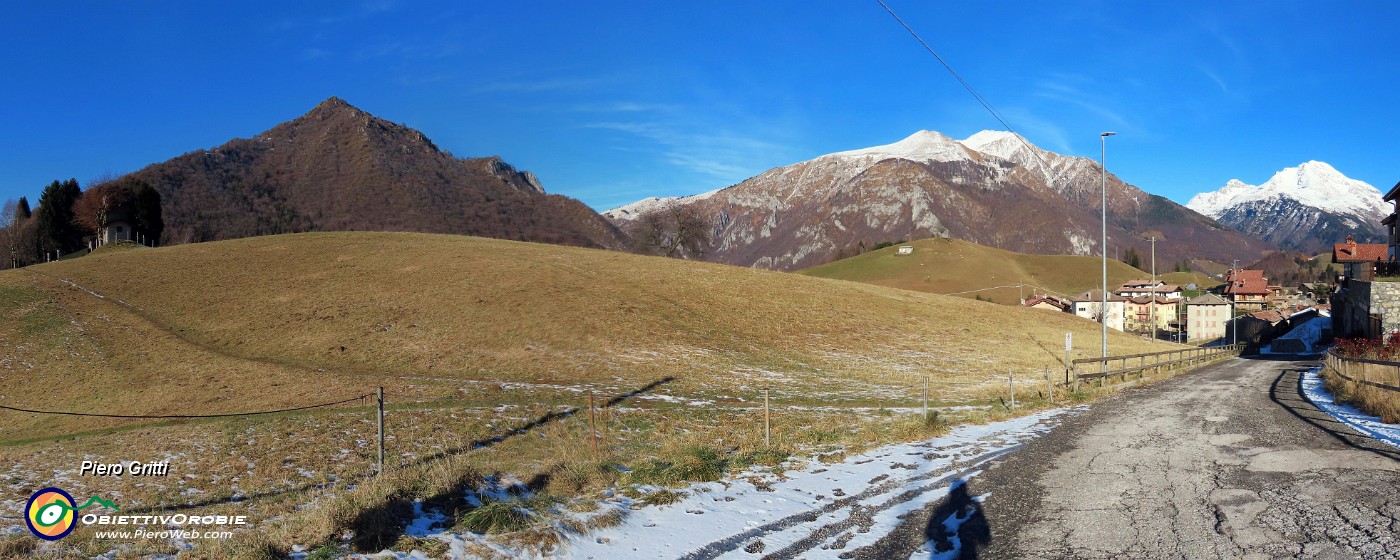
<point x="1227" y="462"/>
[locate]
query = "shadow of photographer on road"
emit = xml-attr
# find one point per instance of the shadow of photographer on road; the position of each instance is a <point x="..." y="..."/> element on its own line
<point x="957" y="528"/>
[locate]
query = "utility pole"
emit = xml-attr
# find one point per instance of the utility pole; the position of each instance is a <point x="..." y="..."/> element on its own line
<point x="1152" y="306"/>
<point x="1234" y="324"/>
<point x="1103" y="233"/>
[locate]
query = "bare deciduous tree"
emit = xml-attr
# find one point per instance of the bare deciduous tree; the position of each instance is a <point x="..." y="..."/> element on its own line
<point x="9" y="232"/>
<point x="676" y="231"/>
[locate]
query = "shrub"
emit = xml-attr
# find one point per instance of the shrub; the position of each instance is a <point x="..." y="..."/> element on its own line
<point x="694" y="463"/>
<point x="663" y="497"/>
<point x="505" y="516"/>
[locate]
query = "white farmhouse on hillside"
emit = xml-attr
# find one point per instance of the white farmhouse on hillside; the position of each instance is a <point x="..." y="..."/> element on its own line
<point x="1089" y="304"/>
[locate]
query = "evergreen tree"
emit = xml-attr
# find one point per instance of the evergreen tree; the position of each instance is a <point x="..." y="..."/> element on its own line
<point x="56" y="230"/>
<point x="22" y="210"/>
<point x="146" y="212"/>
<point x="1132" y="258"/>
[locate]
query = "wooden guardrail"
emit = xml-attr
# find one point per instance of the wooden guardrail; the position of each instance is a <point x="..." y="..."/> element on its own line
<point x="1372" y="373"/>
<point x="1082" y="369"/>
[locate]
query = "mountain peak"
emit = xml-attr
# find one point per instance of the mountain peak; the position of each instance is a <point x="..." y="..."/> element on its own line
<point x="1312" y="183"/>
<point x="924" y="145"/>
<point x="1313" y="188"/>
<point x="333" y="106"/>
<point x="1003" y="144"/>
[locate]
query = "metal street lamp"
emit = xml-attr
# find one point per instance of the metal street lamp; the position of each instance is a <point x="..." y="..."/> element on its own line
<point x="1103" y="210"/>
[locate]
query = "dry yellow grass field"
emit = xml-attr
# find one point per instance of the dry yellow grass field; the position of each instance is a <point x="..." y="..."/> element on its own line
<point x="949" y="266"/>
<point x="486" y="349"/>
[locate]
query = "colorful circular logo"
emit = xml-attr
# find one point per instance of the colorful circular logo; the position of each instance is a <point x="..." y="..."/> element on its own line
<point x="50" y="514"/>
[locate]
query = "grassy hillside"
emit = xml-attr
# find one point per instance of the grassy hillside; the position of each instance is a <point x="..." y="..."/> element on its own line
<point x="477" y="342"/>
<point x="953" y="266"/>
<point x="1183" y="279"/>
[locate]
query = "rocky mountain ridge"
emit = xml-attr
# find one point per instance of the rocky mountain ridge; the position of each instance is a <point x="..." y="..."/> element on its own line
<point x="1305" y="208"/>
<point x="338" y="168"/>
<point x="993" y="188"/>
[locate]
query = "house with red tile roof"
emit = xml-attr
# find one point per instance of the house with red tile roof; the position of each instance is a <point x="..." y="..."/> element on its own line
<point x="1248" y="289"/>
<point x="1051" y="302"/>
<point x="1360" y="258"/>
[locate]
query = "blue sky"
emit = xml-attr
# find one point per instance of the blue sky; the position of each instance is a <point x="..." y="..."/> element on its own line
<point x="610" y="102"/>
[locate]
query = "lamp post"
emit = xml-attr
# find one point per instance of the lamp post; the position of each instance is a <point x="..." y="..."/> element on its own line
<point x="1103" y="211"/>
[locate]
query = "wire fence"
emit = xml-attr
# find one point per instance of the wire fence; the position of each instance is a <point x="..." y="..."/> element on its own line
<point x="172" y="416"/>
<point x="926" y="394"/>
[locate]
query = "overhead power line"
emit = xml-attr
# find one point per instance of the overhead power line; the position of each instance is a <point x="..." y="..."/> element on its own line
<point x="968" y="86"/>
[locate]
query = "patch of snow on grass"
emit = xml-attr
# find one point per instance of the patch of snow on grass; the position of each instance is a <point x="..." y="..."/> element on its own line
<point x="722" y="518"/>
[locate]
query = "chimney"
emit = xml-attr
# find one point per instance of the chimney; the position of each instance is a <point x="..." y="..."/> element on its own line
<point x="1350" y="240"/>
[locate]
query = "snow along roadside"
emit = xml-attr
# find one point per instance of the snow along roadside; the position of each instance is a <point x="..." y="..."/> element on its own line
<point x="1315" y="391"/>
<point x="819" y="511"/>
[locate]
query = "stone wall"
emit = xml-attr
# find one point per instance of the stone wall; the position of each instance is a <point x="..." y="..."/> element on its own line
<point x="1385" y="301"/>
<point x="1353" y="307"/>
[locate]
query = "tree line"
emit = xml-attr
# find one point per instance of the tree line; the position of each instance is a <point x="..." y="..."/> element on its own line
<point x="69" y="219"/>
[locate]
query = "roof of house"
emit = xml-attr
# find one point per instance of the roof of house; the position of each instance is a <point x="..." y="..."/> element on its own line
<point x="1057" y="301"/>
<point x="1207" y="299"/>
<point x="1246" y="282"/>
<point x="1272" y="315"/>
<point x="1388" y="219"/>
<point x="1351" y="251"/>
<point x="1097" y="295"/>
<point x="1144" y="300"/>
<point x="1393" y="194"/>
<point x="1142" y="286"/>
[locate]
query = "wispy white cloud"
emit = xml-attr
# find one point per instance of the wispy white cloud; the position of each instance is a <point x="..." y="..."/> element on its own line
<point x="1039" y="131"/>
<point x="423" y="50"/>
<point x="619" y="107"/>
<point x="356" y="12"/>
<point x="720" y="154"/>
<point x="314" y="53"/>
<point x="1086" y="100"/>
<point x="539" y="85"/>
<point x="1224" y="88"/>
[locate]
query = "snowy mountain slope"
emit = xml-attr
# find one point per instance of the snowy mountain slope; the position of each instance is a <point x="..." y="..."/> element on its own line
<point x="1304" y="208"/>
<point x="992" y="188"/>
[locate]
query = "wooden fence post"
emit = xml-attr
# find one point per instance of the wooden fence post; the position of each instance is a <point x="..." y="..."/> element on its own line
<point x="925" y="396"/>
<point x="592" y="430"/>
<point x="379" y="398"/>
<point x="767" y="433"/>
<point x="1011" y="382"/>
<point x="1049" y="387"/>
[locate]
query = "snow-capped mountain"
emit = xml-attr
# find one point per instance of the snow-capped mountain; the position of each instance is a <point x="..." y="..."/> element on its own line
<point x="1304" y="208"/>
<point x="993" y="188"/>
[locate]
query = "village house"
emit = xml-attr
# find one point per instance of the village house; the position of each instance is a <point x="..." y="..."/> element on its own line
<point x="1140" y="312"/>
<point x="1360" y="259"/>
<point x="1146" y="288"/>
<point x="1206" y="316"/>
<point x="1389" y="222"/>
<point x="1248" y="289"/>
<point x="1051" y="302"/>
<point x="1366" y="302"/>
<point x="118" y="229"/>
<point x="1090" y="305"/>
